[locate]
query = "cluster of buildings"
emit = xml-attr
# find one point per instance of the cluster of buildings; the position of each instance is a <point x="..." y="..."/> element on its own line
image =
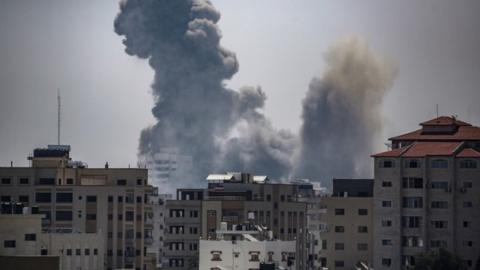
<point x="425" y="195"/>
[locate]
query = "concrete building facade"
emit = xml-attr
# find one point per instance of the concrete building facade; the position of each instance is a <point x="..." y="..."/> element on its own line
<point x="427" y="194"/>
<point x="74" y="198"/>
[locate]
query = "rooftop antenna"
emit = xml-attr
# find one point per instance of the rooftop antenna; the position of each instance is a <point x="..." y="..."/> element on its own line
<point x="437" y="109"/>
<point x="58" y="116"/>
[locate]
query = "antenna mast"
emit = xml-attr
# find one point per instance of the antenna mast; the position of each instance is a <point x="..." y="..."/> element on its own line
<point x="58" y="116"/>
<point x="437" y="109"/>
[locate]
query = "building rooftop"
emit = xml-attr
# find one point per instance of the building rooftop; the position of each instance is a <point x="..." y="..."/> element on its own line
<point x="422" y="149"/>
<point x="443" y="128"/>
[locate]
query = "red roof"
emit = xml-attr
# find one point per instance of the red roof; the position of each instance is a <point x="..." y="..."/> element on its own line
<point x="421" y="149"/>
<point x="468" y="152"/>
<point x="444" y="121"/>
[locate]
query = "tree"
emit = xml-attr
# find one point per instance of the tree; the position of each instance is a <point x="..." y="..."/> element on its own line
<point x="439" y="260"/>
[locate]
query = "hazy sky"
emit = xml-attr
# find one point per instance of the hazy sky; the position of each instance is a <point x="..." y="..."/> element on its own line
<point x="106" y="101"/>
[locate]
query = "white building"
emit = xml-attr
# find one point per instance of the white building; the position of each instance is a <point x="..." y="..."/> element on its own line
<point x="168" y="166"/>
<point x="245" y="247"/>
<point x="22" y="235"/>
<point x="157" y="201"/>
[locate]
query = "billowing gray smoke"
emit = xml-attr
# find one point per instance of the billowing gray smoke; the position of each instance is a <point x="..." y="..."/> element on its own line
<point x="195" y="113"/>
<point x="341" y="113"/>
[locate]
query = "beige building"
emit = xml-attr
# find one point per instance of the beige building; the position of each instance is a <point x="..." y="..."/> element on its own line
<point x="74" y="198"/>
<point x="232" y="198"/>
<point x="347" y="218"/>
<point x="22" y="235"/>
<point x="427" y="194"/>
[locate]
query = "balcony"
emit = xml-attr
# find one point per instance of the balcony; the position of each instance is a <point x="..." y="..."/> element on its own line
<point x="148" y="240"/>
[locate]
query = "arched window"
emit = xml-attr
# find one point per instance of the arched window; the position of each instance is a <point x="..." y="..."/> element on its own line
<point x="439" y="163"/>
<point x="468" y="164"/>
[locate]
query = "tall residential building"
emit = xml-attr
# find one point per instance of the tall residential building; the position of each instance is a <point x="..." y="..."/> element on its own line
<point x="158" y="204"/>
<point x="427" y="191"/>
<point x="74" y="198"/>
<point x="232" y="198"/>
<point x="347" y="225"/>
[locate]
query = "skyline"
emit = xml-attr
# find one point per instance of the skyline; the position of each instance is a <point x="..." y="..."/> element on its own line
<point x="90" y="124"/>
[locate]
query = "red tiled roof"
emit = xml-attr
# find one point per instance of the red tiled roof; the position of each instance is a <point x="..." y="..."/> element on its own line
<point x="421" y="149"/>
<point x="392" y="153"/>
<point x="444" y="121"/>
<point x="468" y="152"/>
<point x="464" y="133"/>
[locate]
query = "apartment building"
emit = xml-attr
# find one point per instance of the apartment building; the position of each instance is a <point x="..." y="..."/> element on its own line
<point x="21" y="236"/>
<point x="159" y="211"/>
<point x="231" y="198"/>
<point x="427" y="194"/>
<point x="75" y="198"/>
<point x="245" y="247"/>
<point x="347" y="225"/>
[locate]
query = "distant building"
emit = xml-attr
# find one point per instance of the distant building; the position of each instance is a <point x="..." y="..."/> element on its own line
<point x="158" y="204"/>
<point x="74" y="198"/>
<point x="346" y="225"/>
<point x="22" y="236"/>
<point x="230" y="198"/>
<point x="427" y="191"/>
<point x="245" y="247"/>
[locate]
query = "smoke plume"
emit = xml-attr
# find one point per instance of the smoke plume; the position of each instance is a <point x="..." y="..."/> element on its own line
<point x="196" y="114"/>
<point x="341" y="112"/>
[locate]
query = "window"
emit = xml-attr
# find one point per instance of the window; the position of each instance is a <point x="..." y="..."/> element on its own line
<point x="121" y="182"/>
<point x="216" y="255"/>
<point x="339" y="246"/>
<point x="386" y="203"/>
<point x="91" y="198"/>
<point x="467" y="204"/>
<point x="408" y="260"/>
<point x="412" y="182"/>
<point x="23" y="181"/>
<point x="194" y="213"/>
<point x="120" y="199"/>
<point x="439" y="164"/>
<point x="412" y="241"/>
<point x="362" y="229"/>
<point x="412" y="163"/>
<point x="467" y="184"/>
<point x="362" y="246"/>
<point x="411" y="222"/>
<point x="86" y="252"/>
<point x="439" y="224"/>
<point x="386" y="223"/>
<point x="63" y="215"/>
<point x="120" y="217"/>
<point x="324" y="244"/>
<point x="64" y="197"/>
<point x="46" y="181"/>
<point x="339" y="229"/>
<point x="30" y="237"/>
<point x="439" y="204"/>
<point x="468" y="164"/>
<point x="439" y="185"/>
<point x="466" y="224"/>
<point x="387" y="184"/>
<point x="386" y="262"/>
<point x="254" y="256"/>
<point x="412" y="202"/>
<point x="129" y="215"/>
<point x="387" y="163"/>
<point x="339" y="264"/>
<point x="9" y="244"/>
<point x="95" y="251"/>
<point x="139" y="182"/>
<point x="269" y="197"/>
<point x="5" y="198"/>
<point x="468" y="243"/>
<point x="387" y="242"/>
<point x="69" y="181"/>
<point x="44" y="252"/>
<point x="69" y="252"/>
<point x="91" y="217"/>
<point x="6" y="181"/>
<point x="119" y="252"/>
<point x="438" y="244"/>
<point x="362" y="212"/>
<point x="23" y="198"/>
<point x="78" y="252"/>
<point x="41" y="197"/>
<point x="339" y="211"/>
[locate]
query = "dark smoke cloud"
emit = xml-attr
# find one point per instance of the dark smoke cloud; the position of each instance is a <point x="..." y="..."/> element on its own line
<point x="341" y="112"/>
<point x="195" y="113"/>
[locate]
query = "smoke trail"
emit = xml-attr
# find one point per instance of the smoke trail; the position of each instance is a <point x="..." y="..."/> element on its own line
<point x="195" y="113"/>
<point x="341" y="112"/>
